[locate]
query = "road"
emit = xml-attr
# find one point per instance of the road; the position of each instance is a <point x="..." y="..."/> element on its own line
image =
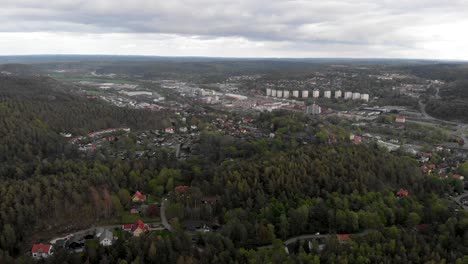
<point x="422" y="107"/>
<point x="459" y="198"/>
<point x="92" y="230"/>
<point x="293" y="240"/>
<point x="164" y="221"/>
<point x="437" y="93"/>
<point x="461" y="130"/>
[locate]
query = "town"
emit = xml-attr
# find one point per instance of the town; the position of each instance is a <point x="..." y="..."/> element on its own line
<point x="235" y="108"/>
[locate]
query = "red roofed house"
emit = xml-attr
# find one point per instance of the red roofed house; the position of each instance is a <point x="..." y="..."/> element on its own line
<point x="424" y="169"/>
<point x="136" y="229"/>
<point x="343" y="237"/>
<point x="138" y="197"/>
<point x="402" y="193"/>
<point x="357" y="139"/>
<point x="41" y="251"/>
<point x="170" y="130"/>
<point x="458" y="177"/>
<point x="422" y="227"/>
<point x="427" y="154"/>
<point x="181" y="188"/>
<point x="400" y="119"/>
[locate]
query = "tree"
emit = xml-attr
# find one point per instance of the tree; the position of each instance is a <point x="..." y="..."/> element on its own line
<point x="152" y="253"/>
<point x="463" y="169"/>
<point x="413" y="219"/>
<point x="8" y="239"/>
<point x="125" y="197"/>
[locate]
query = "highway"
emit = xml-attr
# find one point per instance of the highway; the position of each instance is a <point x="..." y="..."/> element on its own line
<point x="462" y="128"/>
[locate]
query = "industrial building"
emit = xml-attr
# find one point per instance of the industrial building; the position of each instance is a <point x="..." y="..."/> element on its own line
<point x="235" y="96"/>
<point x="136" y="93"/>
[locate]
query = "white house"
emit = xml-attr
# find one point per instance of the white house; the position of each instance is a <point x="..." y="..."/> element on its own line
<point x="106" y="238"/>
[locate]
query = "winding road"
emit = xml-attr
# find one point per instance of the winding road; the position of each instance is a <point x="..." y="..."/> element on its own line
<point x="462" y="128"/>
<point x="164" y="221"/>
<point x="306" y="237"/>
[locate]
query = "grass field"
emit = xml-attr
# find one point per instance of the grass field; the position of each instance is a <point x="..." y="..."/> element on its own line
<point x="128" y="218"/>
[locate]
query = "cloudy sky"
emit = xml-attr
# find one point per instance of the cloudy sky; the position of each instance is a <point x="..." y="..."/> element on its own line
<point x="242" y="28"/>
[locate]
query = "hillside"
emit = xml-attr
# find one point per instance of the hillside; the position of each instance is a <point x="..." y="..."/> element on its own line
<point x="35" y="110"/>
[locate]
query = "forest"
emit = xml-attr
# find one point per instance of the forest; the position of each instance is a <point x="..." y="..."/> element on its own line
<point x="35" y="110"/>
<point x="453" y="104"/>
<point x="268" y="190"/>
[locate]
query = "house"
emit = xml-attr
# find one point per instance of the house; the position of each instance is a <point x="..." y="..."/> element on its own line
<point x="424" y="169"/>
<point x="400" y="119"/>
<point x="106" y="238"/>
<point x="422" y="227"/>
<point x="41" y="251"/>
<point x="134" y="211"/>
<point x="343" y="237"/>
<point x="169" y="130"/>
<point x="427" y="154"/>
<point x="209" y="200"/>
<point x="183" y="129"/>
<point x="181" y="188"/>
<point x="138" y="197"/>
<point x="458" y="177"/>
<point x="136" y="229"/>
<point x="357" y="139"/>
<point x="402" y="193"/>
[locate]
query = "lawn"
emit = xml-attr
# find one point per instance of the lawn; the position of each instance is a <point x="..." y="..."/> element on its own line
<point x="162" y="233"/>
<point x="152" y="199"/>
<point x="128" y="218"/>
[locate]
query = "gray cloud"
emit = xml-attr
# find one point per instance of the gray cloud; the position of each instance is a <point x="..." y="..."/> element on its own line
<point x="392" y="26"/>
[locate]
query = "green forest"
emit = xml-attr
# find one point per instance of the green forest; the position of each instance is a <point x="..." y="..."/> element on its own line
<point x="268" y="190"/>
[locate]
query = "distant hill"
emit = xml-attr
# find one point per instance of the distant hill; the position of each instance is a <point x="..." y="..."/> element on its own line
<point x="19" y="69"/>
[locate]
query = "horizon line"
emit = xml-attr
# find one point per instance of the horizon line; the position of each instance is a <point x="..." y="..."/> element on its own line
<point x="235" y="57"/>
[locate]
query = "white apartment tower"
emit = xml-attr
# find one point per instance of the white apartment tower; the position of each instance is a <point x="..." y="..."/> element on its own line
<point x="348" y="95"/>
<point x="316" y="94"/>
<point x="338" y="94"/>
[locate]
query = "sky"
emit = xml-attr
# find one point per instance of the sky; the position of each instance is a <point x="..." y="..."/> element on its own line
<point x="423" y="29"/>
